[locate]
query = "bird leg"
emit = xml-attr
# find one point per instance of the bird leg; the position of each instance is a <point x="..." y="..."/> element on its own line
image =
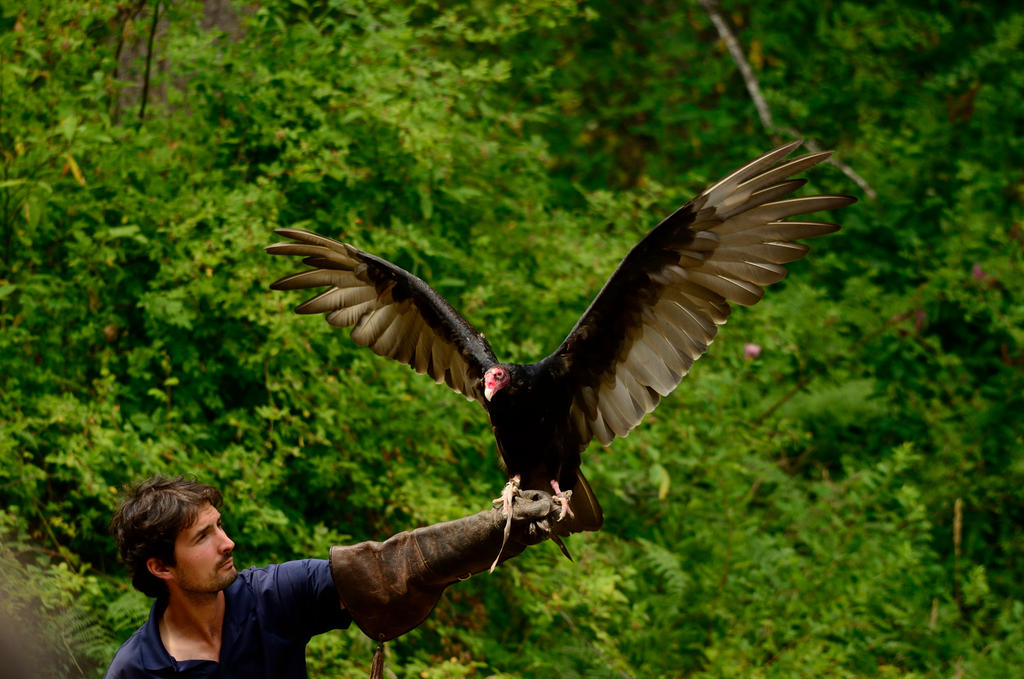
<point x="563" y="499"/>
<point x="508" y="494"/>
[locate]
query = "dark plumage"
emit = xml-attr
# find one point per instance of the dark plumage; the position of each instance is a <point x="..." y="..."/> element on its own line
<point x="655" y="316"/>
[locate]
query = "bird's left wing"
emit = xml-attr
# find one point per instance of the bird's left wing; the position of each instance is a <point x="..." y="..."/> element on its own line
<point x="391" y="311"/>
<point x="662" y="307"/>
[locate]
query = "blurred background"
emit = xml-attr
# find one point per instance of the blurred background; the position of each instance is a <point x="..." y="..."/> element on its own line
<point x="834" y="490"/>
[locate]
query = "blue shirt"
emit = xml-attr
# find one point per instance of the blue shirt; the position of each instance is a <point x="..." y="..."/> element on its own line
<point x="270" y="614"/>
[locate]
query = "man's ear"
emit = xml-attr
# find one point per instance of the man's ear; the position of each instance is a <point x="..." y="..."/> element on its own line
<point x="158" y="568"/>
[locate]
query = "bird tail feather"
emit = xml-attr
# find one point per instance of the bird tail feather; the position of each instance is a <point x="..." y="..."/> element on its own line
<point x="587" y="514"/>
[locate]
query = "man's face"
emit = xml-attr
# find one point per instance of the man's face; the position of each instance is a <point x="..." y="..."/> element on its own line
<point x="203" y="555"/>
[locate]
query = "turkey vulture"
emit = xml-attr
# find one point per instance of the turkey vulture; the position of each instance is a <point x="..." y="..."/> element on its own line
<point x="653" y="318"/>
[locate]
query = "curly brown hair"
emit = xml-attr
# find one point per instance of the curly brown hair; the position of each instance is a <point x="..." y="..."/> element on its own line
<point x="148" y="522"/>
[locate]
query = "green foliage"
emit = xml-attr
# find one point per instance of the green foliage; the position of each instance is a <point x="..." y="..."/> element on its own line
<point x="847" y="504"/>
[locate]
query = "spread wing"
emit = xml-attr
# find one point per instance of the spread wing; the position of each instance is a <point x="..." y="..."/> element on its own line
<point x="391" y="311"/>
<point x="661" y="308"/>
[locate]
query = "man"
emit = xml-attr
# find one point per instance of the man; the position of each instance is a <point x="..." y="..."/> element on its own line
<point x="210" y="620"/>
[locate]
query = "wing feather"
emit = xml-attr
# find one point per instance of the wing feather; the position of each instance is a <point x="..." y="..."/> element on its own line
<point x="747" y="269"/>
<point x="345" y="294"/>
<point x="778" y="210"/>
<point x="345" y="317"/>
<point x="390" y="310"/>
<point x="615" y="406"/>
<point x="690" y="340"/>
<point x="371" y="326"/>
<point x="733" y="289"/>
<point x="649" y="368"/>
<point x="776" y="252"/>
<point x="661" y="308"/>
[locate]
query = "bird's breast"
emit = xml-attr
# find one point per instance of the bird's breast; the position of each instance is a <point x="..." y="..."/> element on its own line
<point x="539" y="444"/>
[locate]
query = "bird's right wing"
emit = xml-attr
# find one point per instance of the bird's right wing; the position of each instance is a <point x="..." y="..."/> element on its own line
<point x="391" y="311"/>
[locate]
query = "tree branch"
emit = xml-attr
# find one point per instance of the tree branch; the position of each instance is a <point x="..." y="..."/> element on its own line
<point x="749" y="79"/>
<point x="761" y="104"/>
<point x="149" y="60"/>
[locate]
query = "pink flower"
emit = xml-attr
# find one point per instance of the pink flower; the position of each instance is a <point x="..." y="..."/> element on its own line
<point x="978" y="273"/>
<point x="751" y="351"/>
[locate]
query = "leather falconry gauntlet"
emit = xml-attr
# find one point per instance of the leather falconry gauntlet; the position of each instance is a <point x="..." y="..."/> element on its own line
<point x="390" y="587"/>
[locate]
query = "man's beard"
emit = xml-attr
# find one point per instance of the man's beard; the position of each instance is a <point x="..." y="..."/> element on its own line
<point x="220" y="580"/>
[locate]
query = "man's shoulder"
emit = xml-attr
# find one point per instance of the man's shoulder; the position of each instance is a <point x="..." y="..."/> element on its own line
<point x="142" y="654"/>
<point x="128" y="661"/>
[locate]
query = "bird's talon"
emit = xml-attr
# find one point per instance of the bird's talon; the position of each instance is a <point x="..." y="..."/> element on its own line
<point x="508" y="494"/>
<point x="563" y="499"/>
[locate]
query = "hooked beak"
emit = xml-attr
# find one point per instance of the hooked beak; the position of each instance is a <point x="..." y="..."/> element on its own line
<point x="495" y="379"/>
